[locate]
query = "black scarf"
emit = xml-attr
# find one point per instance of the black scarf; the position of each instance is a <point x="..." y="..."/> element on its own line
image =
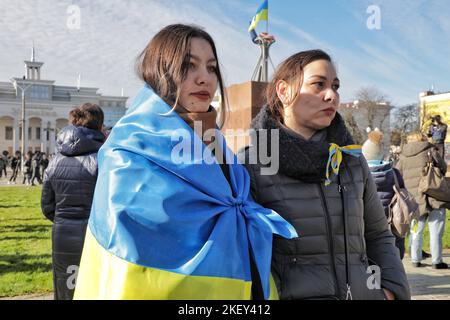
<point x="302" y="159"/>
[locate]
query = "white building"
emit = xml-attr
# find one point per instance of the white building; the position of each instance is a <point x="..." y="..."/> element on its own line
<point x="47" y="108"/>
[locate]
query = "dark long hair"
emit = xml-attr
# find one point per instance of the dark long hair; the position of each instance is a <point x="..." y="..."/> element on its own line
<point x="164" y="63"/>
<point x="291" y="71"/>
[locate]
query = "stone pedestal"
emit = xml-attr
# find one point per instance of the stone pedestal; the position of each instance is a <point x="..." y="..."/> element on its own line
<point x="244" y="101"/>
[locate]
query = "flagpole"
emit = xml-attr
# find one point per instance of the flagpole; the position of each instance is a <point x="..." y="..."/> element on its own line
<point x="267" y="21"/>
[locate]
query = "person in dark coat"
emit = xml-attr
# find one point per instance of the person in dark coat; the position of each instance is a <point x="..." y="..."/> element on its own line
<point x="414" y="157"/>
<point x="15" y="167"/>
<point x="5" y="161"/>
<point x="438" y="134"/>
<point x="44" y="163"/>
<point x="383" y="174"/>
<point x="344" y="238"/>
<point x="67" y="192"/>
<point x="28" y="168"/>
<point x="36" y="165"/>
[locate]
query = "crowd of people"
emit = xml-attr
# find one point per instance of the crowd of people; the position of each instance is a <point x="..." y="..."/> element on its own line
<point x="138" y="225"/>
<point x="34" y="167"/>
<point x="406" y="170"/>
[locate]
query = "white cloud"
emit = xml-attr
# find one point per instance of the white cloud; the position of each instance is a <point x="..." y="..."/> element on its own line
<point x="111" y="35"/>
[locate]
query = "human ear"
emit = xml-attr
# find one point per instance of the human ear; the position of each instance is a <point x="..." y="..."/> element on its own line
<point x="283" y="92"/>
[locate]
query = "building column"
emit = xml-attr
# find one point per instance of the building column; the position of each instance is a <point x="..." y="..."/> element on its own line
<point x="52" y="142"/>
<point x="43" y="141"/>
<point x="16" y="135"/>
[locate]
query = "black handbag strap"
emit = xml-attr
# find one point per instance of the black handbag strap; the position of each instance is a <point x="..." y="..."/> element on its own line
<point x="396" y="183"/>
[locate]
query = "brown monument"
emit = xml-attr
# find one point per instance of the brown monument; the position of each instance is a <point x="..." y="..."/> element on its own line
<point x="244" y="102"/>
<point x="246" y="99"/>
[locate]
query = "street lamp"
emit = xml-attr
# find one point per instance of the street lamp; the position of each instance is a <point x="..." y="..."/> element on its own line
<point x="23" y="88"/>
<point x="47" y="137"/>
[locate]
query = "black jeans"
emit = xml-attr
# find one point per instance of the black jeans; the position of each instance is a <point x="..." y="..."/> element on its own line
<point x="14" y="174"/>
<point x="441" y="149"/>
<point x="400" y="244"/>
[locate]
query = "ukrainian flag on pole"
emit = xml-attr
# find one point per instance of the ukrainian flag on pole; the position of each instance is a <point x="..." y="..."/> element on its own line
<point x="262" y="14"/>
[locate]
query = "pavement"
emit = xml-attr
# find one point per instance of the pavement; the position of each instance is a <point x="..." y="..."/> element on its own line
<point x="427" y="283"/>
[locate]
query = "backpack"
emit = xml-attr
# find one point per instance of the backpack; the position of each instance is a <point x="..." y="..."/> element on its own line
<point x="403" y="209"/>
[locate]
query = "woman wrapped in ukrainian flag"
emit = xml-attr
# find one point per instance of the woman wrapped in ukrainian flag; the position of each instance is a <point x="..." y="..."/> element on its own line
<point x="172" y="217"/>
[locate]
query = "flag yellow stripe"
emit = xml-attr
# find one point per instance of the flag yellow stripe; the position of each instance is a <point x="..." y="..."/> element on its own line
<point x="105" y="276"/>
<point x="262" y="16"/>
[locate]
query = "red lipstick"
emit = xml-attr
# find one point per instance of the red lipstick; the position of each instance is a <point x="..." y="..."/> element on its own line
<point x="201" y="95"/>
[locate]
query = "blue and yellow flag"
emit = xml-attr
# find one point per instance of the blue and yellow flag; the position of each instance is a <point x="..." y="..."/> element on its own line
<point x="262" y="14"/>
<point x="162" y="230"/>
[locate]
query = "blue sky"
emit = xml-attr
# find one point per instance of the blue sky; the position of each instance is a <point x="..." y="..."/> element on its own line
<point x="406" y="56"/>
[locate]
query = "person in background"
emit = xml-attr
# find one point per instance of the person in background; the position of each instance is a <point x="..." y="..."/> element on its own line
<point x="36" y="164"/>
<point x="6" y="160"/>
<point x="2" y="164"/>
<point x="383" y="175"/>
<point x="413" y="158"/>
<point x="44" y="163"/>
<point x="15" y="167"/>
<point x="438" y="134"/>
<point x="28" y="169"/>
<point x="67" y="192"/>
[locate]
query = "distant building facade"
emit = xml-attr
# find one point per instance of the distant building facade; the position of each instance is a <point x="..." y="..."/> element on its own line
<point x="359" y="115"/>
<point x="432" y="104"/>
<point x="47" y="108"/>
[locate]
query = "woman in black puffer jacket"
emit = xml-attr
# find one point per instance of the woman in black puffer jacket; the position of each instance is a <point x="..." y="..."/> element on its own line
<point x="345" y="249"/>
<point x="68" y="187"/>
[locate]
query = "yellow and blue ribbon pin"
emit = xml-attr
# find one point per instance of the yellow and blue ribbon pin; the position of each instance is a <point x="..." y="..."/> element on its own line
<point x="335" y="158"/>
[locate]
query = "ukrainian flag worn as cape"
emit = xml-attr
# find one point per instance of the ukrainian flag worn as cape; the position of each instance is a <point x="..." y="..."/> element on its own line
<point x="161" y="230"/>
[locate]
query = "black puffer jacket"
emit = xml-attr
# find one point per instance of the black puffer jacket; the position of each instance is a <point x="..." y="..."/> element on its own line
<point x="67" y="192"/>
<point x="314" y="265"/>
<point x="383" y="175"/>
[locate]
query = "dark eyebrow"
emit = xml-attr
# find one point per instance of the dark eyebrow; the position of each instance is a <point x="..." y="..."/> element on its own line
<point x="192" y="56"/>
<point x="323" y="78"/>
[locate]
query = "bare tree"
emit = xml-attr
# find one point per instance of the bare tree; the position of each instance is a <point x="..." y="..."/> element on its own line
<point x="396" y="137"/>
<point x="353" y="128"/>
<point x="406" y="119"/>
<point x="370" y="99"/>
